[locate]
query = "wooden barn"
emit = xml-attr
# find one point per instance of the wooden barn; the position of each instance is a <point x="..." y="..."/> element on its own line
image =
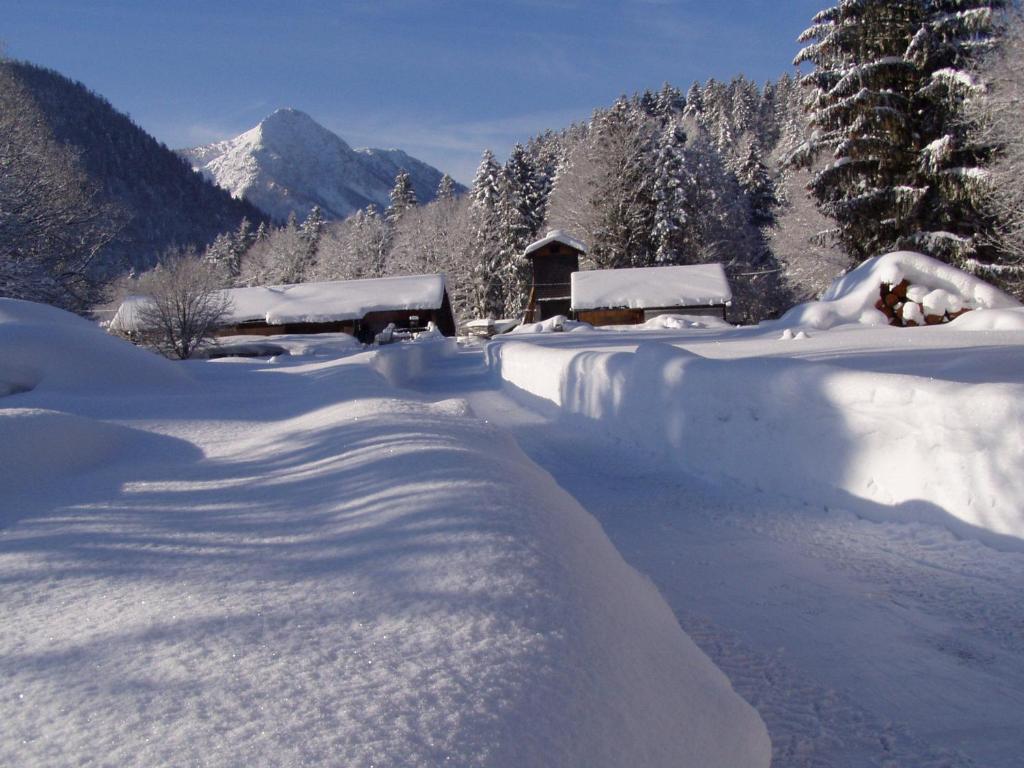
<point x="362" y="308"/>
<point x="552" y="261"/>
<point x="634" y="296"/>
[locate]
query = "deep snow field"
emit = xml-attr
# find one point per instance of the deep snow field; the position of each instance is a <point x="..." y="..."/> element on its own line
<point x="243" y="562"/>
<point x="588" y="548"/>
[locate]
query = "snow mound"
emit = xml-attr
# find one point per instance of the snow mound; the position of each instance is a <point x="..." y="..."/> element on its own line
<point x="934" y="289"/>
<point x="555" y="324"/>
<point x="991" y="320"/>
<point x="672" y="322"/>
<point x="48" y="348"/>
<point x="39" y="445"/>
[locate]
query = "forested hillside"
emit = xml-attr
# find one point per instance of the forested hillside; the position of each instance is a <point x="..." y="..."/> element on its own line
<point x="112" y="197"/>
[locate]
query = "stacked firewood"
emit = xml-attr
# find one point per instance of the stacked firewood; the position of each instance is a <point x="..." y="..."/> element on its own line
<point x="894" y="303"/>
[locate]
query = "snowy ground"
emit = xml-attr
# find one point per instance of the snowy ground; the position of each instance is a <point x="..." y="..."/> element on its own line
<point x="245" y="562"/>
<point x="863" y="639"/>
<point x="366" y="559"/>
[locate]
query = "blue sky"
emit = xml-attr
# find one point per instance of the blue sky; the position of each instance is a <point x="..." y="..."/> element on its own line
<point x="442" y="79"/>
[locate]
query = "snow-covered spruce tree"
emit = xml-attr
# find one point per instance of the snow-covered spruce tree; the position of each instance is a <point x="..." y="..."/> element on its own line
<point x="756" y="181"/>
<point x="446" y="188"/>
<point x="672" y="188"/>
<point x="885" y="100"/>
<point x="403" y="197"/>
<point x="294" y="257"/>
<point x="669" y="103"/>
<point x="312" y="227"/>
<point x="520" y="216"/>
<point x="485" y="290"/>
<point x="860" y="100"/>
<point x="952" y="164"/>
<point x="622" y="145"/>
<point x="221" y="254"/>
<point x="310" y="233"/>
<point x="228" y="250"/>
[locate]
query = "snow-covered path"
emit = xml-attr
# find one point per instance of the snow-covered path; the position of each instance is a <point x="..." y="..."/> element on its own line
<point x="860" y="643"/>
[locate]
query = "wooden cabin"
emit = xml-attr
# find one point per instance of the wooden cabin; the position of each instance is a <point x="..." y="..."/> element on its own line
<point x="634" y="296"/>
<point x="553" y="259"/>
<point x="362" y="308"/>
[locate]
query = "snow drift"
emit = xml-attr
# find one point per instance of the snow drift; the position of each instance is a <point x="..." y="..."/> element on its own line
<point x="916" y="448"/>
<point x="50" y="349"/>
<point x="939" y="288"/>
<point x="332" y="573"/>
<point x="38" y="446"/>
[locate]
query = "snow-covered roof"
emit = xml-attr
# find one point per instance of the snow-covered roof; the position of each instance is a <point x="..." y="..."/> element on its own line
<point x="335" y="300"/>
<point x="693" y="285"/>
<point x="556" y="236"/>
<point x="316" y="302"/>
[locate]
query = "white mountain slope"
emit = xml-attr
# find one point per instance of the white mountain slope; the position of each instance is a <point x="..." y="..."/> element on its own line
<point x="289" y="163"/>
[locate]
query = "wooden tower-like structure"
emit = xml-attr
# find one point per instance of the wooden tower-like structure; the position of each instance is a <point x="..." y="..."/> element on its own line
<point x="553" y="259"/>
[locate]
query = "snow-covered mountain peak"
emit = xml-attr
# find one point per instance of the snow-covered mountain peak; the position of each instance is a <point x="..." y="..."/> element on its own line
<point x="289" y="162"/>
<point x="292" y="128"/>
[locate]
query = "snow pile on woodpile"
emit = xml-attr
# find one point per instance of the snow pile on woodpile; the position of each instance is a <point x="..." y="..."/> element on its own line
<point x="903" y="289"/>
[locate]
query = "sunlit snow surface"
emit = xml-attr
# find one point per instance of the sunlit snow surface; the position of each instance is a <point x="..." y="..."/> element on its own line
<point x="832" y="515"/>
<point x="292" y="562"/>
<point x="836" y="516"/>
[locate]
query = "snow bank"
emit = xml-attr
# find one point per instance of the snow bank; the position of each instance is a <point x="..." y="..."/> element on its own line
<point x="915" y="448"/>
<point x="50" y="349"/>
<point x="555" y="324"/>
<point x="673" y="322"/>
<point x="38" y="446"/>
<point x="692" y="285"/>
<point x="343" y="576"/>
<point x="937" y="286"/>
<point x="404" y="362"/>
<point x="296" y="344"/>
<point x="990" y="320"/>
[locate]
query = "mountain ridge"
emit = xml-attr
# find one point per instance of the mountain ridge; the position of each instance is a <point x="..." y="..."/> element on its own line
<point x="288" y="162"/>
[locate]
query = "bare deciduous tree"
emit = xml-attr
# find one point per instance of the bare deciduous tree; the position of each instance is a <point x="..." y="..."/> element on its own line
<point x="183" y="304"/>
